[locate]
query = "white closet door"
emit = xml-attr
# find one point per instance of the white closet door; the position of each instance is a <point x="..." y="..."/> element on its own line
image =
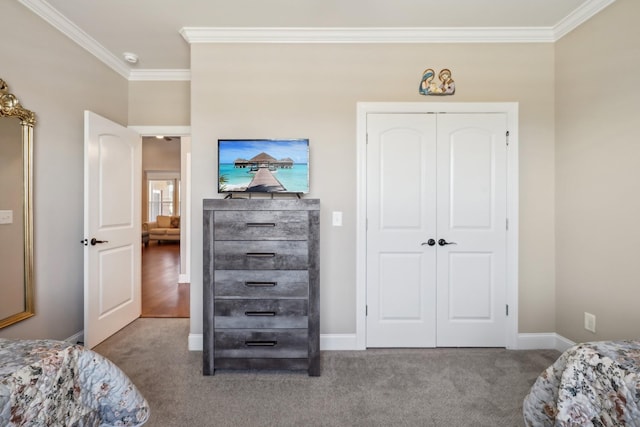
<point x="401" y="200"/>
<point x="472" y="206"/>
<point x="436" y="176"/>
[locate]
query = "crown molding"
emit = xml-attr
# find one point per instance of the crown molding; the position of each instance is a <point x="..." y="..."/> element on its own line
<point x="160" y="75"/>
<point x="397" y="35"/>
<point x="368" y="35"/>
<point x="576" y="18"/>
<point x="316" y="35"/>
<point x="45" y="11"/>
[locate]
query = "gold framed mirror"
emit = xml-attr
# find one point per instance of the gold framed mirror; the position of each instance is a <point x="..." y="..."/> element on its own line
<point x="16" y="209"/>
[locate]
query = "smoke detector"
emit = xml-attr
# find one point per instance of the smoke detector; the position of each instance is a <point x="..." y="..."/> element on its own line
<point x="131" y="58"/>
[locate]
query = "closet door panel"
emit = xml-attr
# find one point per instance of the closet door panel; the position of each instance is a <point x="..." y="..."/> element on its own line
<point x="471" y="195"/>
<point x="401" y="218"/>
<point x="471" y="270"/>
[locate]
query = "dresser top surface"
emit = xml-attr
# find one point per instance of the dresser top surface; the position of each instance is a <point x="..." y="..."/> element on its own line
<point x="261" y="204"/>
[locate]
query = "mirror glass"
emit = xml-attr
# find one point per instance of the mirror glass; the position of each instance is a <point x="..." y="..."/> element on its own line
<point x="16" y="211"/>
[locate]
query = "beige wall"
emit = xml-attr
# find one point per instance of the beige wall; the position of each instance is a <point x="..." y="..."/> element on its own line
<point x="294" y="90"/>
<point x="163" y="103"/>
<point x="598" y="176"/>
<point x="58" y="80"/>
<point x="578" y="94"/>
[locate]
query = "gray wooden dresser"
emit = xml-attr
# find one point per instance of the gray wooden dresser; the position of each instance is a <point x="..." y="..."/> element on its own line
<point x="261" y="301"/>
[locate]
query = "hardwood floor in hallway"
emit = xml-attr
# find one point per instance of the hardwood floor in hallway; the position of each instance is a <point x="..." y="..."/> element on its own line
<point x="162" y="295"/>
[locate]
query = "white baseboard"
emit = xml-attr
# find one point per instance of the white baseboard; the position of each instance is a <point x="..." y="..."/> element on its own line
<point x="338" y="342"/>
<point x="195" y="342"/>
<point x="76" y="338"/>
<point x="543" y="341"/>
<point x="327" y="342"/>
<point x="334" y="342"/>
<point x="563" y="344"/>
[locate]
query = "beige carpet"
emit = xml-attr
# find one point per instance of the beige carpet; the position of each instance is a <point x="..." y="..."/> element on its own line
<point x="390" y="387"/>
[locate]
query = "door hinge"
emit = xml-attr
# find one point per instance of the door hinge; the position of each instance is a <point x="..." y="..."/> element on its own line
<point x="507" y="307"/>
<point x="507" y="220"/>
<point x="507" y="138"/>
<point x="366" y="310"/>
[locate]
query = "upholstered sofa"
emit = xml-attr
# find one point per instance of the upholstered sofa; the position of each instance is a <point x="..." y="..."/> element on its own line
<point x="163" y="228"/>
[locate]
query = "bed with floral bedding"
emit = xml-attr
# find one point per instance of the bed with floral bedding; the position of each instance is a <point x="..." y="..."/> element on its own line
<point x="591" y="384"/>
<point x="55" y="383"/>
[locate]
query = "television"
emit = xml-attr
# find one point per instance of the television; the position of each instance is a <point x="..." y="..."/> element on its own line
<point x="263" y="166"/>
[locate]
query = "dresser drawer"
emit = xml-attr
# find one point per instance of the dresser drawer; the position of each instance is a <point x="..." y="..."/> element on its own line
<point x="261" y="225"/>
<point x="261" y="255"/>
<point x="261" y="283"/>
<point x="282" y="343"/>
<point x="256" y="313"/>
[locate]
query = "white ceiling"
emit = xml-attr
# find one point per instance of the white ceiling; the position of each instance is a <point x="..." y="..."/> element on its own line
<point x="159" y="31"/>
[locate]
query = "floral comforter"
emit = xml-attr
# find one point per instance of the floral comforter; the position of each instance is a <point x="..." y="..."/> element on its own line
<point x="591" y="384"/>
<point x="54" y="383"/>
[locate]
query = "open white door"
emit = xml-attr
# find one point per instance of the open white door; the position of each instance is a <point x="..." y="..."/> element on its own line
<point x="112" y="222"/>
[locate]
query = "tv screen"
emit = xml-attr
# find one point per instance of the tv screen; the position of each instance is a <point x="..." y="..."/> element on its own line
<point x="263" y="165"/>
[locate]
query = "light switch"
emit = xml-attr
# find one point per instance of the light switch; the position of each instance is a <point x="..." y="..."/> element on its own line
<point x="6" y="217"/>
<point x="337" y="219"/>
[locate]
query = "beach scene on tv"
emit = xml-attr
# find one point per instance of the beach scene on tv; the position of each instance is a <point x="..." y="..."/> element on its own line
<point x="265" y="166"/>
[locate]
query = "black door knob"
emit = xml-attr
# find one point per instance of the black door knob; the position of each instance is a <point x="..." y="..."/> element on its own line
<point x="443" y="242"/>
<point x="94" y="241"/>
<point x="429" y="242"/>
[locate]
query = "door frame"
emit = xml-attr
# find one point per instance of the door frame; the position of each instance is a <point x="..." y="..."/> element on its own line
<point x="184" y="132"/>
<point x="511" y="110"/>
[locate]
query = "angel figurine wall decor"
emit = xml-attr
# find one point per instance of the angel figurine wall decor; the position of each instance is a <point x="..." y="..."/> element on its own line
<point x="446" y="86"/>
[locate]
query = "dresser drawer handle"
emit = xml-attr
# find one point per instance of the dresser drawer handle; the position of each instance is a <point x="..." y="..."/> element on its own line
<point x="260" y="343"/>
<point x="261" y="224"/>
<point x="260" y="284"/>
<point x="260" y="313"/>
<point x="260" y="254"/>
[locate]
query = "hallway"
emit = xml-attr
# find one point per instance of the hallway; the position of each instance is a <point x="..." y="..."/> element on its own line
<point x="162" y="295"/>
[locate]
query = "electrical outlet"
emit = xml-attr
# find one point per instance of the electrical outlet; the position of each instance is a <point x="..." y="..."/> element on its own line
<point x="590" y="322"/>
